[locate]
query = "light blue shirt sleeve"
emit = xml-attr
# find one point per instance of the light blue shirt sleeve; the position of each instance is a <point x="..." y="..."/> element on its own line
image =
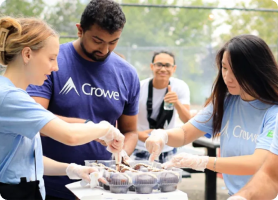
<point x="20" y="114"/>
<point x="274" y="144"/>
<point x="203" y="120"/>
<point x="264" y="139"/>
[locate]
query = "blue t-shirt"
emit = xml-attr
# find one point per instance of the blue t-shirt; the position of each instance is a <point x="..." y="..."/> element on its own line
<point x="246" y="126"/>
<point x="274" y="134"/>
<point x="21" y="118"/>
<point x="88" y="90"/>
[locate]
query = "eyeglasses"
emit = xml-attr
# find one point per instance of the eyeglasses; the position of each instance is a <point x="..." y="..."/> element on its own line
<point x="160" y="65"/>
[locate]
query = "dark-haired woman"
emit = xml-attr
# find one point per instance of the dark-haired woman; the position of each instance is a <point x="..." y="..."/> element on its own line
<point x="242" y="108"/>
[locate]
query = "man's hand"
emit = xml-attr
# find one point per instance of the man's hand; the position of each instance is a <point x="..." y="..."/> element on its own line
<point x="171" y="96"/>
<point x="143" y="135"/>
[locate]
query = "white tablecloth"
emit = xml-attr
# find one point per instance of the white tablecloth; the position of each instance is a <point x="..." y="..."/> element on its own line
<point x="100" y="194"/>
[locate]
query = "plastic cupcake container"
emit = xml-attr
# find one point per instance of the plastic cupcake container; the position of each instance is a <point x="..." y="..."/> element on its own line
<point x="136" y="162"/>
<point x="168" y="181"/>
<point x="107" y="163"/>
<point x="119" y="182"/>
<point x="144" y="182"/>
<point x="179" y="171"/>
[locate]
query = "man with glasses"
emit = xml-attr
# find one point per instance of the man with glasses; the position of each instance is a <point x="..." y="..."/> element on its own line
<point x="161" y="99"/>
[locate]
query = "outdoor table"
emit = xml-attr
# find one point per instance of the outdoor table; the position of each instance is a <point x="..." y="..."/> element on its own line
<point x="86" y="193"/>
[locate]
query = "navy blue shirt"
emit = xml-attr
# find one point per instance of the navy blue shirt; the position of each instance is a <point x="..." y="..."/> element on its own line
<point x="88" y="90"/>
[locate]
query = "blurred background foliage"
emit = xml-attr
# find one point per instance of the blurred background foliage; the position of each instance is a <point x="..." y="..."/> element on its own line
<point x="193" y="35"/>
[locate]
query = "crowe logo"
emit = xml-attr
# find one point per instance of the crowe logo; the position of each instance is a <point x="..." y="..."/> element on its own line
<point x="87" y="89"/>
<point x="68" y="86"/>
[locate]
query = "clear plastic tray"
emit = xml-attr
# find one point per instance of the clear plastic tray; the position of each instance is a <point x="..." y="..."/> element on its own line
<point x="107" y="163"/>
<point x="135" y="162"/>
<point x="164" y="182"/>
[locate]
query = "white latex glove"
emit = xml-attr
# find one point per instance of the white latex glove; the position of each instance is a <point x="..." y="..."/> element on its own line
<point x="125" y="157"/>
<point x="236" y="198"/>
<point x="75" y="171"/>
<point x="113" y="138"/>
<point x="85" y="173"/>
<point x="185" y="160"/>
<point x="95" y="178"/>
<point x="155" y="143"/>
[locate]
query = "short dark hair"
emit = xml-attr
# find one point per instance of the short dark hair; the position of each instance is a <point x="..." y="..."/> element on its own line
<point x="255" y="70"/>
<point x="166" y="52"/>
<point x="105" y="13"/>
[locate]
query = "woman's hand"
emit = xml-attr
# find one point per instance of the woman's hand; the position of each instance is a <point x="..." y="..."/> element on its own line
<point x="156" y="142"/>
<point x="185" y="160"/>
<point x="113" y="138"/>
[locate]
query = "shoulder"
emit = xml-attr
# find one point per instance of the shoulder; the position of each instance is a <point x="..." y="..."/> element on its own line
<point x="14" y="96"/>
<point x="272" y="111"/>
<point x="123" y="65"/>
<point x="64" y="50"/>
<point x="178" y="82"/>
<point x="145" y="82"/>
<point x="179" y="86"/>
<point x="65" y="46"/>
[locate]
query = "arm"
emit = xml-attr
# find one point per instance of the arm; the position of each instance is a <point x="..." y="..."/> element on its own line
<point x="74" y="134"/>
<point x="128" y="126"/>
<point x="173" y="137"/>
<point x="178" y="137"/>
<point x="45" y="103"/>
<point x="264" y="184"/>
<point x="143" y="135"/>
<point x="239" y="165"/>
<point x="183" y="111"/>
<point x="54" y="168"/>
<point x="73" y="171"/>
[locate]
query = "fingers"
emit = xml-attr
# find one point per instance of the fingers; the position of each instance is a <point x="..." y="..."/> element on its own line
<point x="118" y="135"/>
<point x="153" y="156"/>
<point x="103" y="181"/>
<point x="101" y="142"/>
<point x="156" y="150"/>
<point x="170" y="99"/>
<point x="169" y="88"/>
<point x="86" y="177"/>
<point x="167" y="165"/>
<point x="113" y="150"/>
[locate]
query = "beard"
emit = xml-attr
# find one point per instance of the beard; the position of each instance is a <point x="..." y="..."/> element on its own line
<point x="93" y="55"/>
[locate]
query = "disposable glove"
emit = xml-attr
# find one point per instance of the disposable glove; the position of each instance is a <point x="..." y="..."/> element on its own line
<point x="87" y="174"/>
<point x="185" y="160"/>
<point x="236" y="198"/>
<point x="125" y="157"/>
<point x="155" y="143"/>
<point x="113" y="138"/>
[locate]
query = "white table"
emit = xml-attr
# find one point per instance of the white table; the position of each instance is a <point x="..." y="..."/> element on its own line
<point x="87" y="193"/>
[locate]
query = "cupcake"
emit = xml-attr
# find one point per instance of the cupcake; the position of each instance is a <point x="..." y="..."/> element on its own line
<point x="119" y="182"/>
<point x="168" y="181"/>
<point x="145" y="182"/>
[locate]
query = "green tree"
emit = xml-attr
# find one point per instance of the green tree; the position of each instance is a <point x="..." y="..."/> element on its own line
<point x="22" y="8"/>
<point x="263" y="24"/>
<point x="64" y="15"/>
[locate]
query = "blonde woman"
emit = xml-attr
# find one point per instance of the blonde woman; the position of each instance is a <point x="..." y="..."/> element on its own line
<point x="29" y="50"/>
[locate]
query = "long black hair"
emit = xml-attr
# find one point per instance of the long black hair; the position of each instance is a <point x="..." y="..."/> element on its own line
<point x="254" y="68"/>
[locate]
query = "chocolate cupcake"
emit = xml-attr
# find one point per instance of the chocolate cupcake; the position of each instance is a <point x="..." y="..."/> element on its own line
<point x="168" y="181"/>
<point x="145" y="182"/>
<point x="119" y="182"/>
